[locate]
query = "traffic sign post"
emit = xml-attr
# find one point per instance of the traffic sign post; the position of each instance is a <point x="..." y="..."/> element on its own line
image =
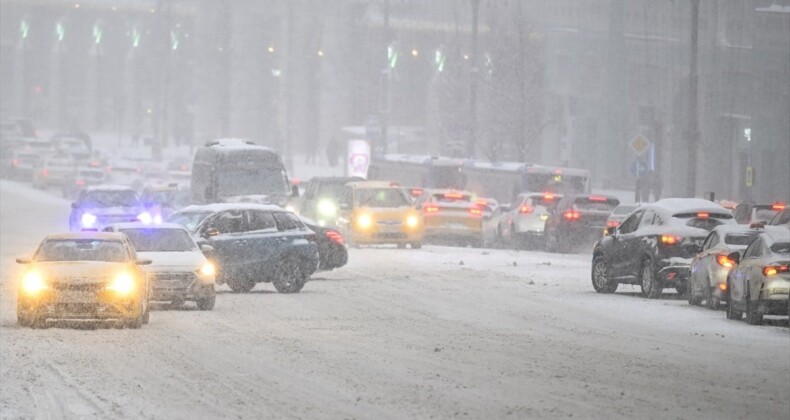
<point x="639" y="168"/>
<point x="640" y="145"/>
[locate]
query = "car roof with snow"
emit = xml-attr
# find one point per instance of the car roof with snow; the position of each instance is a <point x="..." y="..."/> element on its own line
<point x="105" y="236"/>
<point x="218" y="207"/>
<point x="141" y="225"/>
<point x="109" y="187"/>
<point x="230" y="144"/>
<point x="735" y="229"/>
<point x="676" y="206"/>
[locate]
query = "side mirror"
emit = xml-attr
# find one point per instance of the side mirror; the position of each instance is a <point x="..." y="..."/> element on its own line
<point x="294" y="191"/>
<point x="610" y="230"/>
<point x="75" y="205"/>
<point x="23" y="260"/>
<point x="210" y="232"/>
<point x="735" y="256"/>
<point x="206" y="248"/>
<point x="143" y="262"/>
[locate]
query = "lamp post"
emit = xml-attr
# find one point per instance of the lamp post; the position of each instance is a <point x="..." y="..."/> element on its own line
<point x="472" y="139"/>
<point x="693" y="127"/>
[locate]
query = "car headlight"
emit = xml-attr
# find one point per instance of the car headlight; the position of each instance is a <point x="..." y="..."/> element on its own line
<point x="33" y="283"/>
<point x="145" y="217"/>
<point x="290" y="208"/>
<point x="327" y="208"/>
<point x="88" y="220"/>
<point x="207" y="269"/>
<point x="122" y="284"/>
<point x="158" y="219"/>
<point x="364" y="221"/>
<point x="412" y="221"/>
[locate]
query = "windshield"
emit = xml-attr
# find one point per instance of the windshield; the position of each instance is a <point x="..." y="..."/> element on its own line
<point x="381" y="197"/>
<point x="109" y="198"/>
<point x="331" y="190"/>
<point x="624" y="209"/>
<point x="168" y="197"/>
<point x="233" y="181"/>
<point x="189" y="220"/>
<point x="739" y="238"/>
<point x="82" y="250"/>
<point x="160" y="240"/>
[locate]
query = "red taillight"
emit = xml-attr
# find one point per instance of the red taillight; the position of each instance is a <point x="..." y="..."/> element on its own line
<point x="670" y="239"/>
<point x="453" y="195"/>
<point x="778" y="206"/>
<point x="334" y="236"/>
<point x="724" y="261"/>
<point x="548" y="197"/>
<point x="482" y="202"/>
<point x="45" y="172"/>
<point x="571" y="215"/>
<point x="294" y="181"/>
<point x="415" y="192"/>
<point x="79" y="182"/>
<point x="184" y="168"/>
<point x="14" y="162"/>
<point x="703" y="215"/>
<point x="612" y="223"/>
<point x="526" y="209"/>
<point x="773" y="270"/>
<point x="431" y="209"/>
<point x="109" y="169"/>
<point x="596" y="198"/>
<point x="475" y="211"/>
<point x="94" y="164"/>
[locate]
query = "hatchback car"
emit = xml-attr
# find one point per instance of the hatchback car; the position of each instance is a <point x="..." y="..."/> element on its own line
<point x="81" y="179"/>
<point x="253" y="243"/>
<point x="750" y="212"/>
<point x="100" y="206"/>
<point x="179" y="271"/>
<point x="760" y="283"/>
<point x="83" y="276"/>
<point x="578" y="219"/>
<point x="321" y="199"/>
<point x="710" y="268"/>
<point x="523" y="223"/>
<point x="654" y="246"/>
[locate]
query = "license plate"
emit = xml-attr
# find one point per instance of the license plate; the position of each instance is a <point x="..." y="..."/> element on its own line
<point x="455" y="225"/>
<point x="388" y="228"/>
<point x="71" y="296"/>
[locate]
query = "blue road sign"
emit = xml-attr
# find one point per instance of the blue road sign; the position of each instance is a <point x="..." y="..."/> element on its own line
<point x="639" y="168"/>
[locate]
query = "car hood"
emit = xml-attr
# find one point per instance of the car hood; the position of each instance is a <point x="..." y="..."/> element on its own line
<point x="163" y="261"/>
<point x="112" y="211"/>
<point x="398" y="213"/>
<point x="79" y="271"/>
<point x="277" y="199"/>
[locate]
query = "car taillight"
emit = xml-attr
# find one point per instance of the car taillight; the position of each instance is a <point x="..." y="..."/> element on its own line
<point x="724" y="261"/>
<point x="778" y="206"/>
<point x="670" y="239"/>
<point x="45" y="172"/>
<point x="94" y="164"/>
<point x="773" y="270"/>
<point x="108" y="169"/>
<point x="526" y="209"/>
<point x="431" y="209"/>
<point x="571" y="215"/>
<point x="453" y="195"/>
<point x="79" y="182"/>
<point x="14" y="162"/>
<point x="612" y="223"/>
<point x="184" y="168"/>
<point x="596" y="198"/>
<point x="334" y="236"/>
<point x="702" y="215"/>
<point x="475" y="211"/>
<point x="415" y="192"/>
<point x="548" y="197"/>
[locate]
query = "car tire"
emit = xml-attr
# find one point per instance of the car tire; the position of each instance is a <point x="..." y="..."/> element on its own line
<point x="693" y="299"/>
<point x="599" y="279"/>
<point x="650" y="287"/>
<point x="134" y="323"/>
<point x="146" y="315"/>
<point x="711" y="302"/>
<point x="289" y="276"/>
<point x="732" y="313"/>
<point x="240" y="285"/>
<point x="754" y="316"/>
<point x="206" y="303"/>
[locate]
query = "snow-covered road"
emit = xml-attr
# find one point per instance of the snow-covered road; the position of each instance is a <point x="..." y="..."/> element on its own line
<point x="431" y="333"/>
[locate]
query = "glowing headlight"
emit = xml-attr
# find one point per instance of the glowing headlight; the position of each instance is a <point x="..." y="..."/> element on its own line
<point x="327" y="208"/>
<point x="88" y="220"/>
<point x="33" y="283"/>
<point x="123" y="284"/>
<point x="207" y="269"/>
<point x="364" y="221"/>
<point x="412" y="221"/>
<point x="290" y="208"/>
<point x="158" y="219"/>
<point x="145" y="217"/>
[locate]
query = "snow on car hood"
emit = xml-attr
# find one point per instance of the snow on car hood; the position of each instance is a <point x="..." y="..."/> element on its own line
<point x="256" y="199"/>
<point x="80" y="271"/>
<point x="164" y="261"/>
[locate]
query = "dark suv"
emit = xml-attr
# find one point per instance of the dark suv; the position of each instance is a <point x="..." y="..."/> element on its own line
<point x="654" y="246"/>
<point x="253" y="243"/>
<point x="321" y="199"/>
<point x="577" y="220"/>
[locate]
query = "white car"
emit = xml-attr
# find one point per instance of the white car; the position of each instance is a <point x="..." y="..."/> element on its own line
<point x="179" y="271"/>
<point x="523" y="223"/>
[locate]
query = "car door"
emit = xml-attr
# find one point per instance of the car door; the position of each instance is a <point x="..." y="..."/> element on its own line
<point x="739" y="278"/>
<point x="263" y="238"/>
<point x="700" y="265"/>
<point x="230" y="243"/>
<point x="622" y="243"/>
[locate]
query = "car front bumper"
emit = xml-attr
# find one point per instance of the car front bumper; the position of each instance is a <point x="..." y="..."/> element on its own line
<point x="85" y="305"/>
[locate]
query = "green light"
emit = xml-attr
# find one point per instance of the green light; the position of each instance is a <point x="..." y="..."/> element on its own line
<point x="393" y="56"/>
<point x="97" y="33"/>
<point x="135" y="38"/>
<point x="60" y="31"/>
<point x="440" y="59"/>
<point x="24" y="29"/>
<point x="173" y="40"/>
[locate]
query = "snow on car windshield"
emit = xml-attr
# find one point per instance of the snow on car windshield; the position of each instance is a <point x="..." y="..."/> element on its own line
<point x="238" y="181"/>
<point x="82" y="250"/>
<point x="781" y="248"/>
<point x="99" y="198"/>
<point x="189" y="220"/>
<point x="160" y="240"/>
<point x="381" y="197"/>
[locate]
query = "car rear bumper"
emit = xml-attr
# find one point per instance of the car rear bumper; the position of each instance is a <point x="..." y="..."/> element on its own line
<point x="674" y="271"/>
<point x="195" y="291"/>
<point x="774" y="305"/>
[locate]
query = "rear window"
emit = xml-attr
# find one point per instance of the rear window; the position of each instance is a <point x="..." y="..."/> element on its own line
<point x="110" y="198"/>
<point x="451" y="197"/>
<point x="781" y="248"/>
<point x="595" y="203"/>
<point x="764" y="215"/>
<point x="707" y="224"/>
<point x="739" y="238"/>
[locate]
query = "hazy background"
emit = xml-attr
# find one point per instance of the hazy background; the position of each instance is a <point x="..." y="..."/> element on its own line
<point x="557" y="82"/>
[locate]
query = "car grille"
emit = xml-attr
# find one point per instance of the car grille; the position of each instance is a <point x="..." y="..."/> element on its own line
<point x="171" y="280"/>
<point x="117" y="219"/>
<point x="389" y="222"/>
<point x="390" y="235"/>
<point x="77" y="287"/>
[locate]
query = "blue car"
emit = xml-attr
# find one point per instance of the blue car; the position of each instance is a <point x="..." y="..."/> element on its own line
<point x="102" y="205"/>
<point x="253" y="243"/>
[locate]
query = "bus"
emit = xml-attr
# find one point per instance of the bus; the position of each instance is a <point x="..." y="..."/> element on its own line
<point x="238" y="170"/>
<point x="418" y="171"/>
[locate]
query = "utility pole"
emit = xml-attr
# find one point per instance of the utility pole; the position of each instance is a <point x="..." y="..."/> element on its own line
<point x="386" y="79"/>
<point x="472" y="139"/>
<point x="693" y="127"/>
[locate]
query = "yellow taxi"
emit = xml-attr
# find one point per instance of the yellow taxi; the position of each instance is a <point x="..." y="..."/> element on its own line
<point x="452" y="216"/>
<point x="376" y="212"/>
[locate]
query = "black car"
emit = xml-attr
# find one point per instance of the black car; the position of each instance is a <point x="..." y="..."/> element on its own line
<point x="654" y="246"/>
<point x="332" y="251"/>
<point x="321" y="199"/>
<point x="578" y="219"/>
<point x="253" y="243"/>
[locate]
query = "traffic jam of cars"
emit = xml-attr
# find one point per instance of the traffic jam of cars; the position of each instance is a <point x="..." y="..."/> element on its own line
<point x="139" y="237"/>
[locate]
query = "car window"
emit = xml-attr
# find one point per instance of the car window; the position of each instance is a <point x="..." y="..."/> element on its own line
<point x="261" y="220"/>
<point x="160" y="240"/>
<point x="82" y="250"/>
<point x="647" y="218"/>
<point x="631" y="223"/>
<point x="711" y="241"/>
<point x="780" y="248"/>
<point x="285" y="223"/>
<point x="754" y="250"/>
<point x="739" y="238"/>
<point x="231" y="221"/>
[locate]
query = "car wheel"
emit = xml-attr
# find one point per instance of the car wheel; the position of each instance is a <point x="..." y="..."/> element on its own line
<point x="416" y="245"/>
<point x="146" y="315"/>
<point x="732" y="312"/>
<point x="289" y="276"/>
<point x="650" y="287"/>
<point x="693" y="299"/>
<point x="207" y="303"/>
<point x="600" y="281"/>
<point x="681" y="289"/>
<point x="242" y="285"/>
<point x="135" y="323"/>
<point x="712" y="302"/>
<point x="22" y="319"/>
<point x="754" y="316"/>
